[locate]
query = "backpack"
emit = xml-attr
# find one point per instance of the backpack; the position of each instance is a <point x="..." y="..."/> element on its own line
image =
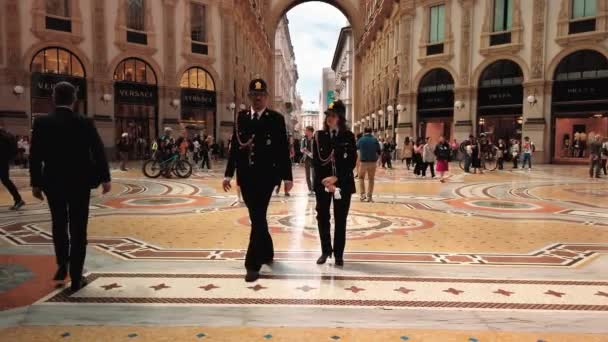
<point x="9" y="144"/>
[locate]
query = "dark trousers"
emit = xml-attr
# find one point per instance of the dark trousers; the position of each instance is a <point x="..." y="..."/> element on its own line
<point x="528" y="159"/>
<point x="386" y="161"/>
<point x="467" y="162"/>
<point x="501" y="163"/>
<point x="256" y="195"/>
<point x="206" y="161"/>
<point x="341" y="208"/>
<point x="408" y="162"/>
<point x="308" y="171"/>
<point x="70" y="216"/>
<point x="515" y="161"/>
<point x="432" y="166"/>
<point x="419" y="164"/>
<point x="595" y="167"/>
<point x="6" y="181"/>
<point x="605" y="166"/>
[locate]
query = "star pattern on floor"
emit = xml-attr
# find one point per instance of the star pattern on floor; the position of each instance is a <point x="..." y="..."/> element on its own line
<point x="208" y="287"/>
<point x="257" y="287"/>
<point x="453" y="291"/>
<point x="404" y="290"/>
<point x="160" y="286"/>
<point x="305" y="288"/>
<point x="555" y="293"/>
<point x="354" y="289"/>
<point x="110" y="286"/>
<point x="504" y="292"/>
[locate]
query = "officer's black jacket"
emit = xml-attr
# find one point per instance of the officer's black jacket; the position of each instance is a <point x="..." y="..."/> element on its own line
<point x="345" y="156"/>
<point x="269" y="151"/>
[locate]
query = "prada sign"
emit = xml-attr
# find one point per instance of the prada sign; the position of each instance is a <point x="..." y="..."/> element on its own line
<point x="580" y="90"/>
<point x="196" y="98"/>
<point x="43" y="84"/>
<point x="436" y="104"/>
<point x="135" y="93"/>
<point x="500" y="100"/>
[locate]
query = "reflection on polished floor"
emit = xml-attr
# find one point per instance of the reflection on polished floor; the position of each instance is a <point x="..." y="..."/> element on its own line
<point x="503" y="256"/>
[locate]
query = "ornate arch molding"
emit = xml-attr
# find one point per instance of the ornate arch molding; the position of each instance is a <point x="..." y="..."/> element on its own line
<point x="39" y="24"/>
<point x="421" y="73"/>
<point x="562" y="54"/>
<point x="120" y="30"/>
<point x="487" y="62"/>
<point x="208" y="68"/>
<point x="564" y="38"/>
<point x="160" y="77"/>
<point x="28" y="56"/>
<point x="516" y="31"/>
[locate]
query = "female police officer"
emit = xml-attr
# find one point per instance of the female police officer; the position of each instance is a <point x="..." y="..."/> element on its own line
<point x="334" y="158"/>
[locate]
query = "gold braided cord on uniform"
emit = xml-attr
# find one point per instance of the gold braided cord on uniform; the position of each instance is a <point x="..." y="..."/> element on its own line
<point x="330" y="158"/>
<point x="238" y="138"/>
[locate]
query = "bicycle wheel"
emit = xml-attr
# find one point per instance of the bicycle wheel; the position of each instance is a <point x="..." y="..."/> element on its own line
<point x="182" y="169"/>
<point x="490" y="163"/>
<point x="152" y="168"/>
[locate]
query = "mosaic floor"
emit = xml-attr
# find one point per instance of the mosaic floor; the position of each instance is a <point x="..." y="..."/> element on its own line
<point x="503" y="256"/>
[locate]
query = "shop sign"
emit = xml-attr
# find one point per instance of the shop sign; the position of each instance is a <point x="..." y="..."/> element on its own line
<point x="580" y="90"/>
<point x="500" y="96"/>
<point x="198" y="98"/>
<point x="431" y="100"/>
<point x="135" y="93"/>
<point x="43" y="84"/>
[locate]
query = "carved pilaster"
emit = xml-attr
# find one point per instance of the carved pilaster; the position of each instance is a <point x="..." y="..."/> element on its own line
<point x="100" y="51"/>
<point x="169" y="42"/>
<point x="538" y="39"/>
<point x="14" y="74"/>
<point x="465" y="47"/>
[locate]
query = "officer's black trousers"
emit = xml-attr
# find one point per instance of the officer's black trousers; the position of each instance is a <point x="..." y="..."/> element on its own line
<point x="70" y="214"/>
<point x="257" y="194"/>
<point x="341" y="208"/>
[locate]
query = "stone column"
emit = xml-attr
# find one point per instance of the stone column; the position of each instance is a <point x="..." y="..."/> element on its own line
<point x="537" y="116"/>
<point x="169" y="114"/>
<point x="464" y="123"/>
<point x="405" y="117"/>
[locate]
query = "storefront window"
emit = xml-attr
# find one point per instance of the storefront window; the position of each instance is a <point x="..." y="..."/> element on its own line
<point x="198" y="99"/>
<point x="580" y="104"/>
<point x="50" y="66"/>
<point x="500" y="101"/>
<point x="436" y="104"/>
<point x="136" y="105"/>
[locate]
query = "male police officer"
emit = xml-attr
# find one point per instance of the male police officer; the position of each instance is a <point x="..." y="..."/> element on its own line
<point x="260" y="155"/>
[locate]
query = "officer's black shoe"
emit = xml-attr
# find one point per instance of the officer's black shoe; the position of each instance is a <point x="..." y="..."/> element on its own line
<point x="252" y="276"/>
<point x="269" y="262"/>
<point x="78" y="284"/>
<point x="62" y="272"/>
<point x="323" y="258"/>
<point x="340" y="262"/>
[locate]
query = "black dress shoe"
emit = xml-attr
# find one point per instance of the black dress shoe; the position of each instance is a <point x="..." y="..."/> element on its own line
<point x="269" y="262"/>
<point x="340" y="262"/>
<point x="252" y="276"/>
<point x="62" y="273"/>
<point x="78" y="284"/>
<point x="323" y="258"/>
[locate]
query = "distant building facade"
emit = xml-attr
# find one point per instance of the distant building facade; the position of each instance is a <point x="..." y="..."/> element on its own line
<point x="285" y="75"/>
<point x="342" y="65"/>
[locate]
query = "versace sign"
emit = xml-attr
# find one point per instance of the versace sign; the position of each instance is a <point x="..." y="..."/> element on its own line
<point x="198" y="98"/>
<point x="43" y="84"/>
<point x="134" y="93"/>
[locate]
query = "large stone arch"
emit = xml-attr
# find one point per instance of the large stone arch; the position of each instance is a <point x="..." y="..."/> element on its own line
<point x="566" y="52"/>
<point x="489" y="61"/>
<point x="82" y="57"/>
<point x="426" y="70"/>
<point x="351" y="9"/>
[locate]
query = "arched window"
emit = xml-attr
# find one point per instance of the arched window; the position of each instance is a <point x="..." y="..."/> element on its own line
<point x="135" y="70"/>
<point x="57" y="61"/>
<point x="501" y="73"/>
<point x="197" y="78"/>
<point x="135" y="15"/>
<point x="436" y="80"/>
<point x="583" y="64"/>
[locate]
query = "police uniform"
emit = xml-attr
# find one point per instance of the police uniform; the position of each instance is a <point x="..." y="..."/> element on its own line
<point x="259" y="155"/>
<point x="342" y="145"/>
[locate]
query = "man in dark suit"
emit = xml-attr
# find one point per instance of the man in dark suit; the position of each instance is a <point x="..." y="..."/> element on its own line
<point x="67" y="160"/>
<point x="334" y="158"/>
<point x="259" y="154"/>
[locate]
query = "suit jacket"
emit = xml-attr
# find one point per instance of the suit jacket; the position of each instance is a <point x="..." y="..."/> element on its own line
<point x="66" y="150"/>
<point x="345" y="156"/>
<point x="267" y="158"/>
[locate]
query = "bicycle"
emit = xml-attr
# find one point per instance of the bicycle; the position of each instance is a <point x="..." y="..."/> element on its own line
<point x="153" y="168"/>
<point x="489" y="162"/>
